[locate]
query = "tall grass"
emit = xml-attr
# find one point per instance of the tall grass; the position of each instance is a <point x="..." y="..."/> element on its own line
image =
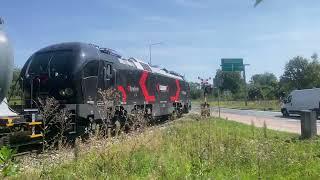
<point x="190" y="149"/>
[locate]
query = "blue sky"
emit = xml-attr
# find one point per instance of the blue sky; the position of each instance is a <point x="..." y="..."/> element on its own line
<point x="196" y="33"/>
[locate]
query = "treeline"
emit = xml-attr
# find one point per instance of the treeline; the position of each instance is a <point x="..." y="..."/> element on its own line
<point x="15" y="90"/>
<point x="299" y="73"/>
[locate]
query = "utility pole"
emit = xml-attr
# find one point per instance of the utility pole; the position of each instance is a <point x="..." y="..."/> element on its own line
<point x="245" y="85"/>
<point x="150" y="46"/>
<point x="149" y="54"/>
<point x="218" y="85"/>
<point x="219" y="109"/>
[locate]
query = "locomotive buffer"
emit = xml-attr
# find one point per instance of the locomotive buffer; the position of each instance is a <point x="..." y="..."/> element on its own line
<point x="18" y="130"/>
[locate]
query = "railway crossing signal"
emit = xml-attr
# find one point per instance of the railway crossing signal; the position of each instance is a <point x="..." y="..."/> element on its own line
<point x="206" y="87"/>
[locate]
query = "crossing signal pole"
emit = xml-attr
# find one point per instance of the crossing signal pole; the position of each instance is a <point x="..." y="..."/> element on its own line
<point x="205" y="86"/>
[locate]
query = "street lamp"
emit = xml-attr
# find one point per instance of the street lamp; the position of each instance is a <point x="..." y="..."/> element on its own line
<point x="150" y="46"/>
<point x="245" y="83"/>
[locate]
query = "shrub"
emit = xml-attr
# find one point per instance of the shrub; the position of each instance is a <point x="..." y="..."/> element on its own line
<point x="9" y="167"/>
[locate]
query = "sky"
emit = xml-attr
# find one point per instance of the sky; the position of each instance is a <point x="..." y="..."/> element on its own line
<point x="195" y="34"/>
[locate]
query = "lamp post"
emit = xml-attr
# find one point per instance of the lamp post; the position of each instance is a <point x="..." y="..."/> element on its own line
<point x="150" y="46"/>
<point x="245" y="84"/>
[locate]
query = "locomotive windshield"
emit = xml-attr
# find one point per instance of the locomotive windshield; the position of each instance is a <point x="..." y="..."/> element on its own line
<point x="54" y="63"/>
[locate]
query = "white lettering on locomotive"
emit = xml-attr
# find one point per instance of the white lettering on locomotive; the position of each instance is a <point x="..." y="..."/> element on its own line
<point x="163" y="88"/>
<point x="133" y="89"/>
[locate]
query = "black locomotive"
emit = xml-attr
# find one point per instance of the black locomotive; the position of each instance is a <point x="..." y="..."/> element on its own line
<point x="73" y="73"/>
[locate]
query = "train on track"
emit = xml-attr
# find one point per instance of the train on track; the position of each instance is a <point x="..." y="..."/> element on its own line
<point x="74" y="73"/>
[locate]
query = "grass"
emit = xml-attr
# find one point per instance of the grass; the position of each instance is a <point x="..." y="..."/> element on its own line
<point x="196" y="149"/>
<point x="267" y="105"/>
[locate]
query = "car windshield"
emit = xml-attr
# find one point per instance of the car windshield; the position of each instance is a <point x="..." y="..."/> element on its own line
<point x="53" y="63"/>
<point x="288" y="99"/>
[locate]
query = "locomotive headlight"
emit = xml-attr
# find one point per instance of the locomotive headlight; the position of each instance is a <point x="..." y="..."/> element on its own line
<point x="62" y="92"/>
<point x="66" y="92"/>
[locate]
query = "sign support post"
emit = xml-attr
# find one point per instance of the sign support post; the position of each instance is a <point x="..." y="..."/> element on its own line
<point x="218" y="84"/>
<point x="245" y="84"/>
<point x="236" y="65"/>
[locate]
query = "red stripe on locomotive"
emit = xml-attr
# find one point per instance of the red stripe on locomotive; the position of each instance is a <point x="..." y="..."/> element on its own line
<point x="144" y="89"/>
<point x="124" y="94"/>
<point x="177" y="96"/>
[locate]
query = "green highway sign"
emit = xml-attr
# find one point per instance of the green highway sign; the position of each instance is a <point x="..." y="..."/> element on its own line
<point x="232" y="64"/>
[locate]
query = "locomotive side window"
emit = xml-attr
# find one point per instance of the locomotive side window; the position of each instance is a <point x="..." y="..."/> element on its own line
<point x="91" y="69"/>
<point x="107" y="72"/>
<point x="107" y="75"/>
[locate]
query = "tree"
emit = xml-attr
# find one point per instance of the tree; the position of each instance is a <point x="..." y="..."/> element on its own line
<point x="254" y="93"/>
<point x="301" y="73"/>
<point x="263" y="86"/>
<point x="195" y="90"/>
<point x="314" y="57"/>
<point x="265" y="79"/>
<point x="295" y="74"/>
<point x="229" y="81"/>
<point x="313" y="72"/>
<point x="15" y="89"/>
<point x="257" y="3"/>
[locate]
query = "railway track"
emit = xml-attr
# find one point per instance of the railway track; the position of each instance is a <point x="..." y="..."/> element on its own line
<point x="35" y="159"/>
<point x="37" y="148"/>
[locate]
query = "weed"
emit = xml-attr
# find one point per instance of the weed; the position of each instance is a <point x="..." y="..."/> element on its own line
<point x="265" y="134"/>
<point x="191" y="149"/>
<point x="252" y="128"/>
<point x="9" y="167"/>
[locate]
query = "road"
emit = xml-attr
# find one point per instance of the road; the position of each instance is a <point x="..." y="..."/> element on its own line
<point x="273" y="120"/>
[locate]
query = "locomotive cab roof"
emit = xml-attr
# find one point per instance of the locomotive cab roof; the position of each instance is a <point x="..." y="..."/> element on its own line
<point x="85" y="52"/>
<point x="154" y="69"/>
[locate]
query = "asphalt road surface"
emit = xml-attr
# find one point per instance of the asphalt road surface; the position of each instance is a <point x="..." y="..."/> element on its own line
<point x="257" y="113"/>
<point x="274" y="120"/>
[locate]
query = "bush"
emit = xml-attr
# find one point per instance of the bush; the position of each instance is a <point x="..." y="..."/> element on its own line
<point x="8" y="166"/>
